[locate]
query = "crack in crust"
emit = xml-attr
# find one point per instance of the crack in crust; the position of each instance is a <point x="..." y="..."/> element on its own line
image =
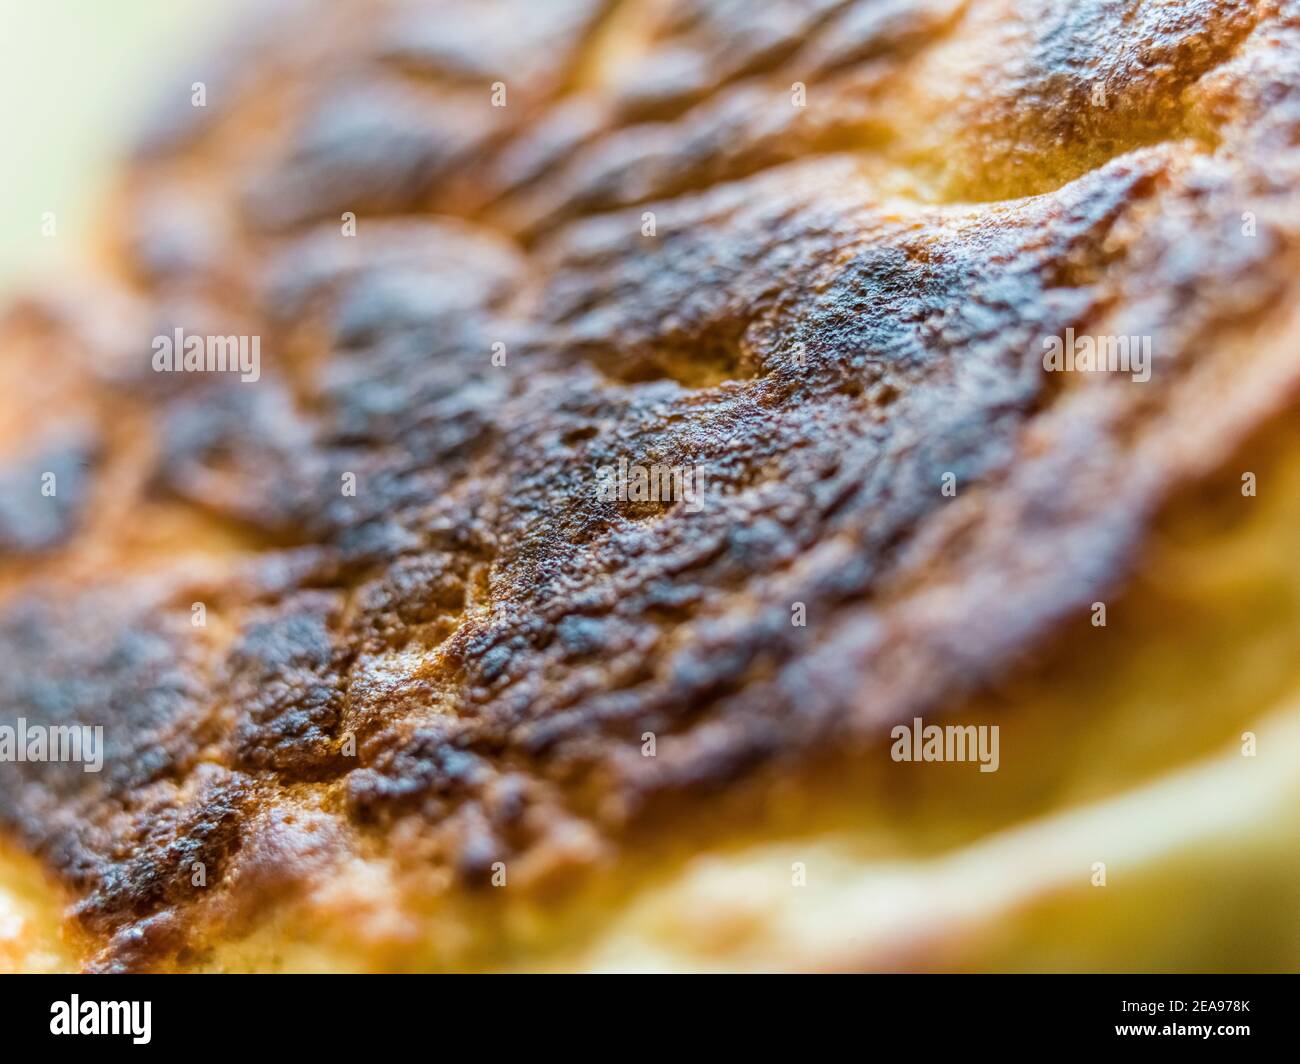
<point x="456" y="665"/>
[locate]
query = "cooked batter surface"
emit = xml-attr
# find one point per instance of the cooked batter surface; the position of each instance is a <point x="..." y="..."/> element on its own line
<point x="635" y="378"/>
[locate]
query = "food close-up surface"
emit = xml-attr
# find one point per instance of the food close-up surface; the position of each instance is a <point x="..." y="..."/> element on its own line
<point x="667" y="485"/>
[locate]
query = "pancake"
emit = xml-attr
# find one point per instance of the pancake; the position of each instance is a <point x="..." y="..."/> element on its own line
<point x="652" y="418"/>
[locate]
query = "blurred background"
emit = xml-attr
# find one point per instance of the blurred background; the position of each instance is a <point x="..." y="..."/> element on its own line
<point x="75" y="78"/>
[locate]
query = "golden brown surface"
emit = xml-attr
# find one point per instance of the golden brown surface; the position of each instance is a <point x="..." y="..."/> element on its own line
<point x="841" y="302"/>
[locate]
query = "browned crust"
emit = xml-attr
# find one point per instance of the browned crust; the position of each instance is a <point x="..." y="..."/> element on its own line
<point x="840" y="304"/>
